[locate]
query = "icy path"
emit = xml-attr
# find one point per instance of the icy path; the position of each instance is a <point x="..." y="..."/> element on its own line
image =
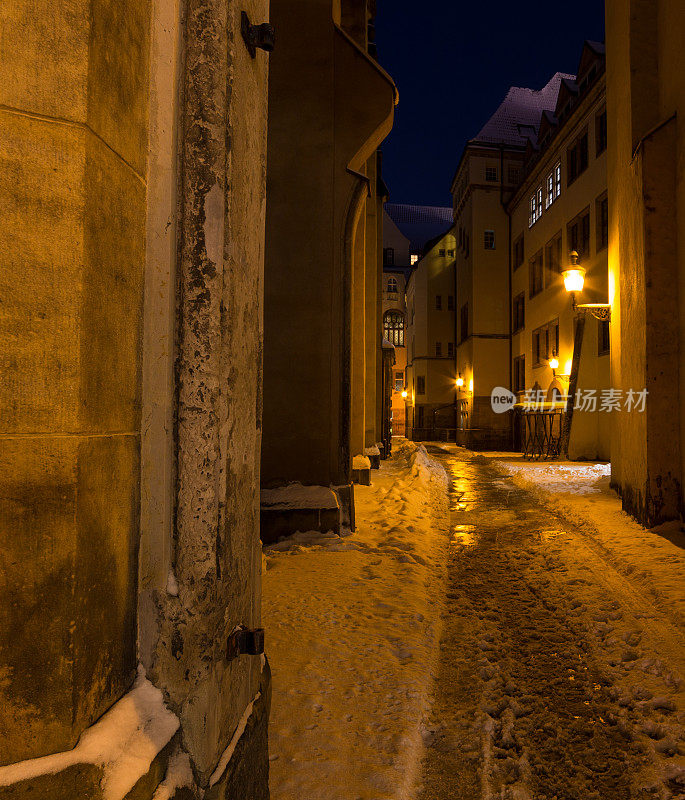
<point x="559" y="679"/>
<point x="353" y="626"/>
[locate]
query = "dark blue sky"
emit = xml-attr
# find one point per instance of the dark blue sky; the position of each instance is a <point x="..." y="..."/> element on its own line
<point x="453" y="62"/>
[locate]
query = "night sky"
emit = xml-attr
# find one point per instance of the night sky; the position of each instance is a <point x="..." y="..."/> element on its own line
<point x="453" y="62"/>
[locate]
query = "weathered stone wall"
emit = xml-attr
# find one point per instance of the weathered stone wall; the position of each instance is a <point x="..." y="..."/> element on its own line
<point x="73" y="147"/>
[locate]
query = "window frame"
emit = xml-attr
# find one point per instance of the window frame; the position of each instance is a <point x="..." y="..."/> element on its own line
<point x="602" y="221"/>
<point x="518" y="315"/>
<point x="536" y="286"/>
<point x="395" y="334"/>
<point x="519" y="374"/>
<point x="489" y="242"/>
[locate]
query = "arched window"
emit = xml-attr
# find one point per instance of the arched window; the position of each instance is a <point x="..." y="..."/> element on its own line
<point x="392" y="284"/>
<point x="393" y="328"/>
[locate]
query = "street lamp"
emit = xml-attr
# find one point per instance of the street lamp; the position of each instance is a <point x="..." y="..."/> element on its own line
<point x="574" y="280"/>
<point x="554" y="362"/>
<point x="460" y="382"/>
<point x="405" y="394"/>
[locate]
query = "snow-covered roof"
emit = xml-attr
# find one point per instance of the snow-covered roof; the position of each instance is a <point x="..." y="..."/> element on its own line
<point x="518" y="117"/>
<point x="420" y="224"/>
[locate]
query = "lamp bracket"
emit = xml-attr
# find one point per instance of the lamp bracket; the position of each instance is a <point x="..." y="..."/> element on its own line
<point x="600" y="311"/>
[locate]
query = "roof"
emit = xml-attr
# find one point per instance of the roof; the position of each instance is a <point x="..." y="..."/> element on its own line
<point x="420" y="224"/>
<point x="518" y="117"/>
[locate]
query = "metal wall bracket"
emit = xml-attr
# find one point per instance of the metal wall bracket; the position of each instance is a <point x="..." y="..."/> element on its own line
<point x="601" y="311"/>
<point x="257" y="36"/>
<point x="244" y="642"/>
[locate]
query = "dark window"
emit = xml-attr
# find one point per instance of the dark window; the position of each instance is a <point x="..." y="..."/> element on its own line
<point x="464" y="322"/>
<point x="438" y="302"/>
<point x="392" y="285"/>
<point x="399" y="381"/>
<point x="489" y="240"/>
<point x="553" y="258"/>
<point x="536" y="274"/>
<point x="393" y="328"/>
<point x="579" y="234"/>
<point x="450" y="349"/>
<point x="519" y="312"/>
<point x="577" y="157"/>
<point x="603" y="337"/>
<point x="601" y="132"/>
<point x="518" y="252"/>
<point x="438" y="349"/>
<point x="514" y="175"/>
<point x="389" y="256"/>
<point x="450" y="253"/>
<point x="602" y="223"/>
<point x="419" y="412"/>
<point x="520" y="374"/>
<point x="441" y="253"/>
<point x="420" y="384"/>
<point x="545" y="343"/>
<point x="491" y="173"/>
<point x="450" y="302"/>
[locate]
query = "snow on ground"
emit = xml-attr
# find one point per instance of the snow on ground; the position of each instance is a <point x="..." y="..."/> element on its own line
<point x="581" y="492"/>
<point x="353" y="625"/>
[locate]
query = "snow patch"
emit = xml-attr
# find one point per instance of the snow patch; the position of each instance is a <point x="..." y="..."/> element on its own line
<point x="295" y="495"/>
<point x="179" y="774"/>
<point x="372" y="451"/>
<point x="361" y="462"/>
<point x="228" y="752"/>
<point x="124" y="742"/>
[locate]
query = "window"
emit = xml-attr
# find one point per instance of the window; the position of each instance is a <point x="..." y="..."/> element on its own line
<point x="420" y="384"/>
<point x="441" y="253"/>
<point x="438" y="349"/>
<point x="536" y="274"/>
<point x="464" y="322"/>
<point x="413" y="258"/>
<point x="579" y="234"/>
<point x="577" y="157"/>
<point x="553" y="261"/>
<point x="389" y="256"/>
<point x="520" y="374"/>
<point x="553" y="185"/>
<point x="603" y="337"/>
<point x="545" y="343"/>
<point x="519" y="312"/>
<point x="518" y="252"/>
<point x="491" y="173"/>
<point x="399" y="381"/>
<point x="602" y="211"/>
<point x="392" y="285"/>
<point x="535" y="207"/>
<point x="450" y="349"/>
<point x="601" y="131"/>
<point x="514" y="174"/>
<point x="393" y="328"/>
<point x="450" y="253"/>
<point x="438" y="302"/>
<point x="450" y="302"/>
<point x="489" y="240"/>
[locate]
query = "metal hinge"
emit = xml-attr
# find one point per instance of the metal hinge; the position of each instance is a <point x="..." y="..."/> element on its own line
<point x="244" y="642"/>
<point x="257" y="36"/>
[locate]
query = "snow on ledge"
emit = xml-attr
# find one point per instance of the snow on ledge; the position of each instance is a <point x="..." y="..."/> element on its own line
<point x="361" y="462"/>
<point x="295" y="495"/>
<point x="372" y="451"/>
<point x="228" y="752"/>
<point x="123" y="743"/>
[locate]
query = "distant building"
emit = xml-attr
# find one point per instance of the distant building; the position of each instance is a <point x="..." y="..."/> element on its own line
<point x="646" y="91"/>
<point x="431" y="328"/>
<point x="561" y="206"/>
<point x="490" y="170"/>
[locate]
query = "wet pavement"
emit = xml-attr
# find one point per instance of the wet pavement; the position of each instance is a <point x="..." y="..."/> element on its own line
<point x="558" y="679"/>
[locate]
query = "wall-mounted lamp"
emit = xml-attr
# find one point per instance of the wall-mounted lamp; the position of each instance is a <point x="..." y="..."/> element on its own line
<point x="574" y="280"/>
<point x="554" y="363"/>
<point x="405" y="394"/>
<point x="460" y="382"/>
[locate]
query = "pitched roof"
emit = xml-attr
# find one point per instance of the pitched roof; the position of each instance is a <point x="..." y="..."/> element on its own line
<point x="420" y="224"/>
<point x="518" y="117"/>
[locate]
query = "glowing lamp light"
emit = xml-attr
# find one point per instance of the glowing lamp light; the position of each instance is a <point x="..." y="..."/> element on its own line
<point x="460" y="381"/>
<point x="574" y="276"/>
<point x="554" y="362"/>
<point x="568" y="367"/>
<point x="404" y="394"/>
<point x="471" y="385"/>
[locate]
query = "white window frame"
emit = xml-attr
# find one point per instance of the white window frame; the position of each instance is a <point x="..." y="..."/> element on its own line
<point x="553" y="185"/>
<point x="535" y="206"/>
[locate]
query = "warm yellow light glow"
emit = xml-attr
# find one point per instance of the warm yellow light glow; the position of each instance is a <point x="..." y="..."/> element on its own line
<point x="574" y="279"/>
<point x="554" y="362"/>
<point x="404" y="394"/>
<point x="413" y="259"/>
<point x="460" y="382"/>
<point x="471" y="385"/>
<point x="568" y="366"/>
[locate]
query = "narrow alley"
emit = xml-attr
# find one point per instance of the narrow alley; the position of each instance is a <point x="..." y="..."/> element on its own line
<point x="559" y="679"/>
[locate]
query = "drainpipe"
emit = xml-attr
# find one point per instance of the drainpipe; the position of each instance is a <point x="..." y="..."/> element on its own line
<point x="509" y="280"/>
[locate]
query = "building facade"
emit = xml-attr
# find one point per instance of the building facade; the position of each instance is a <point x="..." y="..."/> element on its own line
<point x="330" y="107"/>
<point x="131" y="348"/>
<point x="490" y="170"/>
<point x="431" y="327"/>
<point x="561" y="206"/>
<point x="645" y="99"/>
